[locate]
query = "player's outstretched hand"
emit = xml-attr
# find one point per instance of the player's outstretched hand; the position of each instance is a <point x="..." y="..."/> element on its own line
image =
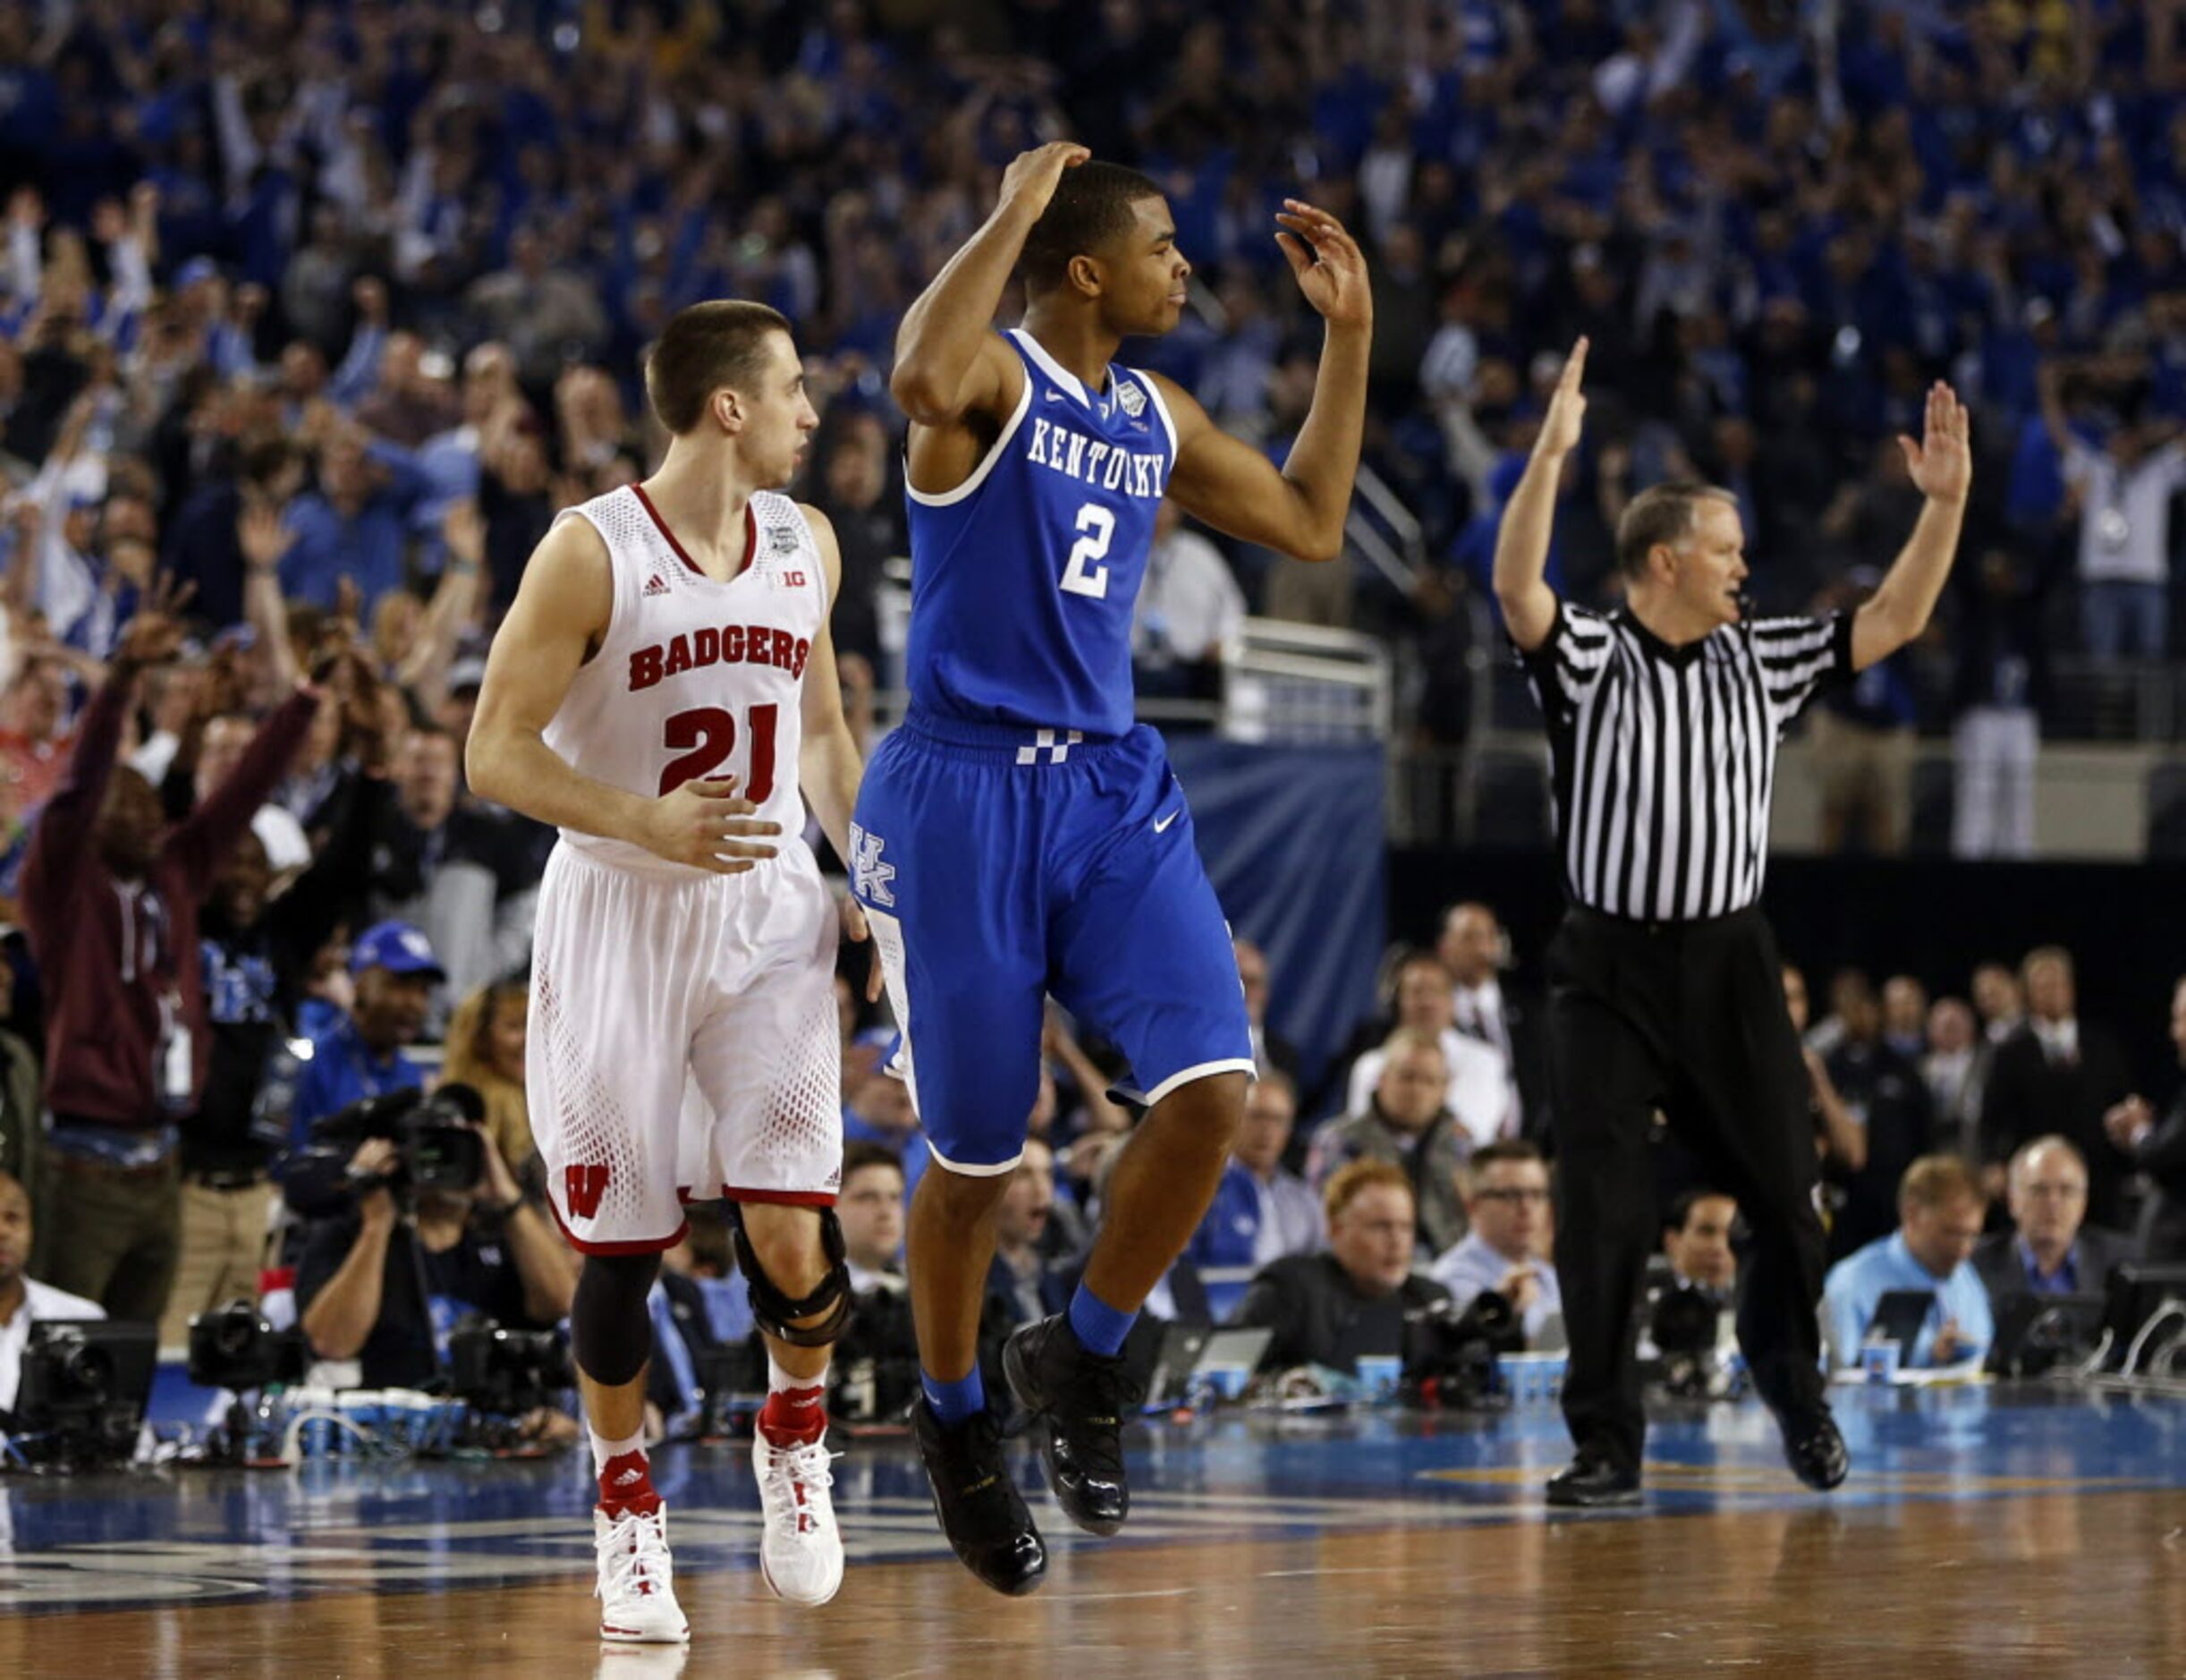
<point x="1941" y="464"/>
<point x="1567" y="409"/>
<point x="1031" y="177"/>
<point x="1330" y="268"/>
<point x="706" y="825"/>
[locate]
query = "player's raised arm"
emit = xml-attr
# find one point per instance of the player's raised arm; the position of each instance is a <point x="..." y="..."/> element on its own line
<point x="948" y="360"/>
<point x="1522" y="546"/>
<point x="560" y="612"/>
<point x="1231" y="486"/>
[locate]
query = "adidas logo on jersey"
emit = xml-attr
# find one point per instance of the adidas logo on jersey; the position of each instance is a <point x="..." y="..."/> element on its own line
<point x="654" y="585"/>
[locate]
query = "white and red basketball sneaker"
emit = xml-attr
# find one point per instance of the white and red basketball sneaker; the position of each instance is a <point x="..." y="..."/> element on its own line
<point x="637" y="1579"/>
<point x="801" y="1553"/>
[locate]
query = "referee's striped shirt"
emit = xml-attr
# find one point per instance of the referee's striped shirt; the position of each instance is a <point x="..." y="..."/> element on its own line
<point x="1666" y="757"/>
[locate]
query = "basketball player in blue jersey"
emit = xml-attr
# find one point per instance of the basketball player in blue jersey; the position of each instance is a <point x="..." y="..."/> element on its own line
<point x="1020" y="834"/>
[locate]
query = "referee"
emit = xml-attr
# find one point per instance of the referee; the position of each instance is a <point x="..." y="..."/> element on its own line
<point x="1662" y="719"/>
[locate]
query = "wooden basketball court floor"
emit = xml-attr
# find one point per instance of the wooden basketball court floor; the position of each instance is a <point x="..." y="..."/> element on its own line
<point x="1986" y="1532"/>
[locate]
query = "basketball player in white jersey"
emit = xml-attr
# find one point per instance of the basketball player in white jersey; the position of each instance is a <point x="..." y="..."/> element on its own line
<point x="664" y="691"/>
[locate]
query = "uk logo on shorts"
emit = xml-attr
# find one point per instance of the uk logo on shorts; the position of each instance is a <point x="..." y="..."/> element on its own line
<point x="870" y="877"/>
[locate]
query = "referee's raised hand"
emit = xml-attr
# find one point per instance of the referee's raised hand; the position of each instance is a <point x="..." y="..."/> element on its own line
<point x="1567" y="409"/>
<point x="1941" y="464"/>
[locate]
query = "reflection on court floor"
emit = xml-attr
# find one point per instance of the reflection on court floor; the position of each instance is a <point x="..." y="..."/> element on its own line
<point x="184" y="1536"/>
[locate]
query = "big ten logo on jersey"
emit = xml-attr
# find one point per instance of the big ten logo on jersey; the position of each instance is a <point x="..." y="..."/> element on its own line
<point x="731" y="644"/>
<point x="783" y="541"/>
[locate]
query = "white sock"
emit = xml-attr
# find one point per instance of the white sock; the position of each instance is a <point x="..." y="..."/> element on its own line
<point x="603" y="1449"/>
<point x="779" y="1381"/>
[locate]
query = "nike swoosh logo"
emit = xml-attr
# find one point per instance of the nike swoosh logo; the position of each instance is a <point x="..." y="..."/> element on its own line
<point x="1161" y="824"/>
<point x="1052" y="396"/>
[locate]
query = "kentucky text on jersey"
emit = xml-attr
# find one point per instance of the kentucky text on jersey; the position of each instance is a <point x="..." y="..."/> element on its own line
<point x="1023" y="577"/>
<point x="732" y="644"/>
<point x="1089" y="461"/>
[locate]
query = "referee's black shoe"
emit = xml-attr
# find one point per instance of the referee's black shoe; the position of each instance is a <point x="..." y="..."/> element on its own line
<point x="1588" y="1483"/>
<point x="979" y="1508"/>
<point x="1813" y="1446"/>
<point x="1078" y="1400"/>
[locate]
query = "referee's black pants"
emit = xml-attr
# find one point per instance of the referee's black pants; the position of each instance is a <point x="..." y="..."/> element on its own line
<point x="1687" y="1017"/>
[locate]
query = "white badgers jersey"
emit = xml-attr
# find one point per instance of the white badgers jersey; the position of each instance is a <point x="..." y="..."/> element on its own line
<point x="694" y="677"/>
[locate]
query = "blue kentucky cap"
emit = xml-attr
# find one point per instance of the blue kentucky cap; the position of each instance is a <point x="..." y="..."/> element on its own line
<point x="396" y="946"/>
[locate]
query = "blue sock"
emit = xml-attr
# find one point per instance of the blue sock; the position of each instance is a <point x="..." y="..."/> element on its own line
<point x="1098" y="1326"/>
<point x="955" y="1401"/>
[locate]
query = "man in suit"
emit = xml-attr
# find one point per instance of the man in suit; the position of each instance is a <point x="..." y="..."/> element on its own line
<point x="2050" y="1250"/>
<point x="2058" y="1073"/>
<point x="1476" y="950"/>
<point x="2158" y="1148"/>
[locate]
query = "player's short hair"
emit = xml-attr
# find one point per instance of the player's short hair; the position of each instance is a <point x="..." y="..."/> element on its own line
<point x="1663" y="513"/>
<point x="1091" y="209"/>
<point x="1349" y="1180"/>
<point x="1940" y="1180"/>
<point x="703" y="348"/>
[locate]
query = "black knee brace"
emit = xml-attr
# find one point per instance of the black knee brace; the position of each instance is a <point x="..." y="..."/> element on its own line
<point x="773" y="1310"/>
<point x="610" y="1332"/>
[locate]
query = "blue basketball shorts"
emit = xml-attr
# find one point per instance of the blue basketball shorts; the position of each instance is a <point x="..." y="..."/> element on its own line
<point x="997" y="864"/>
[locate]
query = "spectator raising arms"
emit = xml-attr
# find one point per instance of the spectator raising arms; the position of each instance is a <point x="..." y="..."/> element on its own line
<point x="111" y="898"/>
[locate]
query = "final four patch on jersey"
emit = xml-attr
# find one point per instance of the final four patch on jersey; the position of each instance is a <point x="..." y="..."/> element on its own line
<point x="1130" y="396"/>
<point x="782" y="538"/>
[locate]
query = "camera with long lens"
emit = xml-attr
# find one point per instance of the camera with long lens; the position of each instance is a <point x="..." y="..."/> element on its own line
<point x="234" y="1347"/>
<point x="80" y="1398"/>
<point x="1682" y="1322"/>
<point x="506" y="1373"/>
<point x="437" y="1148"/>
<point x="1450" y="1355"/>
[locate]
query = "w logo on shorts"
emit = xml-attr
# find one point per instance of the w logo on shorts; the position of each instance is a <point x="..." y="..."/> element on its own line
<point x="582" y="1187"/>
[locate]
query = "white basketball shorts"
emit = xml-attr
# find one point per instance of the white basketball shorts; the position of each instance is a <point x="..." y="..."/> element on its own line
<point x="683" y="1043"/>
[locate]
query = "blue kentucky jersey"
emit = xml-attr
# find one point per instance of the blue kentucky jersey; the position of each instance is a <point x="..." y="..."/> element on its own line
<point x="1024" y="578"/>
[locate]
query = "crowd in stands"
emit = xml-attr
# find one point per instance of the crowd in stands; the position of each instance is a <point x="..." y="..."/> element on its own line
<point x="312" y="316"/>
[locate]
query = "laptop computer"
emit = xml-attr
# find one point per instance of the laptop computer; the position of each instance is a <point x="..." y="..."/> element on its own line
<point x="1188" y="1349"/>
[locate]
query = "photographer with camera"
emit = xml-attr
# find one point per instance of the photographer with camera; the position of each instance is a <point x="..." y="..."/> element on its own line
<point x="360" y="1055"/>
<point x="1505" y="1192"/>
<point x="385" y="1287"/>
<point x="23" y="1300"/>
<point x="1687" y="1329"/>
